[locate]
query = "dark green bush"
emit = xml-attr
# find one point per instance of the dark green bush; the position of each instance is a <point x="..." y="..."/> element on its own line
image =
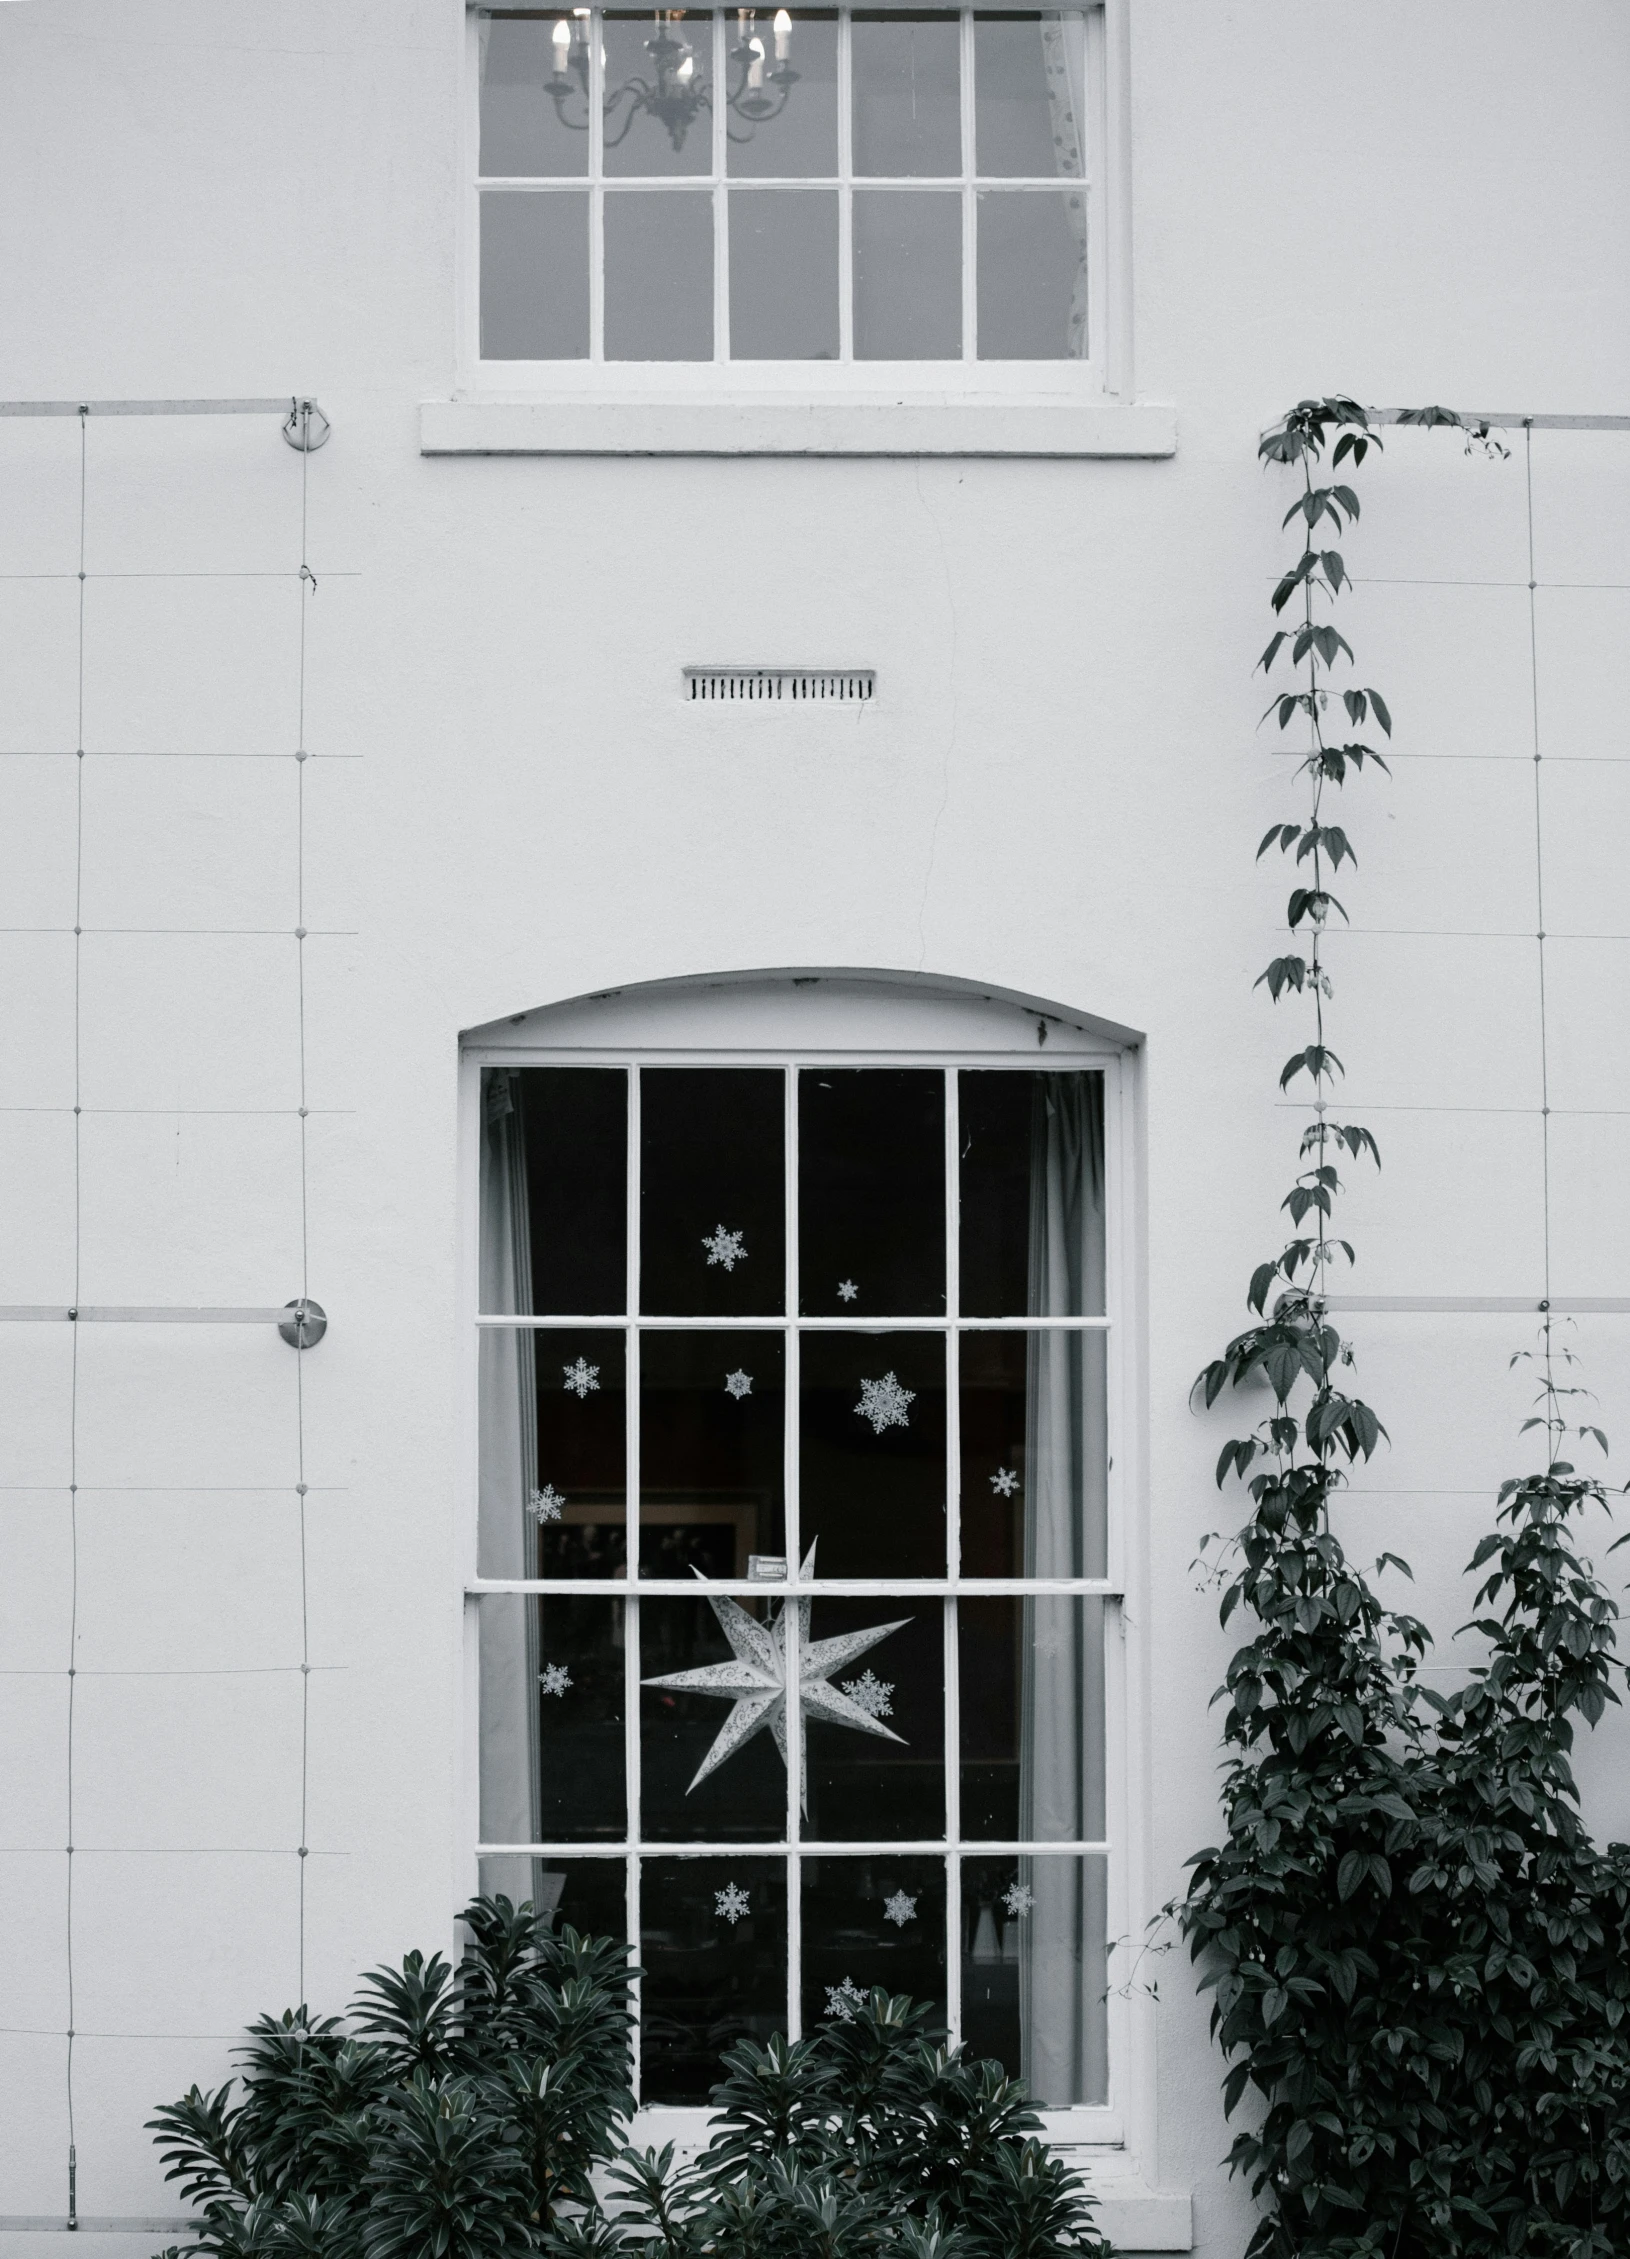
<point x="465" y="2117"/>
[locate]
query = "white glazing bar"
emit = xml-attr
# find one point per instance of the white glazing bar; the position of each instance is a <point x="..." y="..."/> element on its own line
<point x="853" y="1588"/>
<point x="631" y="1510"/>
<point x="953" y="1310"/>
<point x="595" y="36"/>
<point x="634" y="1898"/>
<point x="843" y="1324"/>
<point x="631" y="1375"/>
<point x="868" y="1847"/>
<point x="970" y="253"/>
<point x="846" y="195"/>
<point x="794" y="1539"/>
<point x="718" y="47"/>
<point x="953" y="1827"/>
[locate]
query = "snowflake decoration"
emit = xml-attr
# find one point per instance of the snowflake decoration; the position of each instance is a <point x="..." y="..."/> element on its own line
<point x="726" y="1247"/>
<point x="544" y="1505"/>
<point x="1018" y="1899"/>
<point x="871" y="1694"/>
<point x="843" y="1999"/>
<point x="847" y="1290"/>
<point x="730" y="1903"/>
<point x="884" y="1402"/>
<point x="900" y="1909"/>
<point x="581" y="1378"/>
<point x="738" y="1384"/>
<point x="1005" y="1482"/>
<point x="554" y="1678"/>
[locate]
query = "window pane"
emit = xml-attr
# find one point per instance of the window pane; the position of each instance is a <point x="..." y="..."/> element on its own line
<point x="712" y="1452"/>
<point x="866" y="1786"/>
<point x="1032" y="1167"/>
<point x="803" y="138"/>
<point x="659" y="277"/>
<point x="712" y="1208"/>
<point x="534" y="277"/>
<point x="872" y="1453"/>
<point x="1032" y="275"/>
<point x="656" y="73"/>
<point x="554" y="1194"/>
<point x="908" y="276"/>
<point x="524" y="131"/>
<point x="783" y="275"/>
<point x="697" y="1787"/>
<point x="1029" y="95"/>
<point x="871" y="1192"/>
<point x="1034" y="1454"/>
<point x="907" y="95"/>
<point x="552" y="1768"/>
<point x="551" y="1412"/>
<point x="1032" y="1719"/>
<point x="871" y="1922"/>
<point x="713" y="1945"/>
<point x="587" y="1895"/>
<point x="1035" y="1961"/>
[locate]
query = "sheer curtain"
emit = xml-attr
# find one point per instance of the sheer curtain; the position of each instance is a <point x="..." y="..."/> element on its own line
<point x="509" y="1427"/>
<point x="1063" y="54"/>
<point x="1063" y="2019"/>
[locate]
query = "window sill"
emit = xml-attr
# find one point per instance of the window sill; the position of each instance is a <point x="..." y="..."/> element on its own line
<point x="926" y="425"/>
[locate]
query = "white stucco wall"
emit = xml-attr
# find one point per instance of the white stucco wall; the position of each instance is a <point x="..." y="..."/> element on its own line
<point x="1057" y="791"/>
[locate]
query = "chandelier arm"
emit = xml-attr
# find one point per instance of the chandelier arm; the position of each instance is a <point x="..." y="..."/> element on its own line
<point x="560" y="98"/>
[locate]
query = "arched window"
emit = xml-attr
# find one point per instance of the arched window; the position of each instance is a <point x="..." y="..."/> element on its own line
<point x="796" y="1388"/>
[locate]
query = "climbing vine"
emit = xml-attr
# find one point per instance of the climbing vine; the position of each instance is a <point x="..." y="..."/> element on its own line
<point x="1419" y="1961"/>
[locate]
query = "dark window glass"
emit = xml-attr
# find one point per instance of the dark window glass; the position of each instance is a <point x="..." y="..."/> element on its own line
<point x="743" y="1797"/>
<point x="1038" y="1659"/>
<point x="712" y="1452"/>
<point x="562" y="1724"/>
<point x="712" y="1209"/>
<point x="872" y="1453"/>
<point x="1035" y="1973"/>
<point x="871" y="1192"/>
<point x="1035" y="1454"/>
<point x="579" y="1504"/>
<point x="713" y="1945"/>
<point x="575" y="1129"/>
<point x="865" y="1786"/>
<point x="852" y="1940"/>
<point x="1032" y="1198"/>
<point x="587" y="1895"/>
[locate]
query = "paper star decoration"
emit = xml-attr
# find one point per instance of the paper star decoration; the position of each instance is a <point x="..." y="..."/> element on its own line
<point x="900" y="1909"/>
<point x="730" y="1903"/>
<point x="554" y="1678"/>
<point x="544" y="1505"/>
<point x="871" y="1694"/>
<point x="1017" y="1899"/>
<point x="847" y="1290"/>
<point x="725" y="1247"/>
<point x="738" y="1383"/>
<point x="755" y="1680"/>
<point x="843" y="1999"/>
<point x="1005" y="1482"/>
<point x="581" y="1378"/>
<point x="884" y="1402"/>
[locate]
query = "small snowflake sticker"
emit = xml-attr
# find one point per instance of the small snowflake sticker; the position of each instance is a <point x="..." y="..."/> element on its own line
<point x="544" y="1505"/>
<point x="554" y="1678"/>
<point x="900" y="1909"/>
<point x="1005" y="1482"/>
<point x="738" y="1384"/>
<point x="871" y="1694"/>
<point x="843" y="1999"/>
<point x="847" y="1290"/>
<point x="581" y="1378"/>
<point x="1018" y="1899"/>
<point x="726" y="1247"/>
<point x="884" y="1402"/>
<point x="730" y="1903"/>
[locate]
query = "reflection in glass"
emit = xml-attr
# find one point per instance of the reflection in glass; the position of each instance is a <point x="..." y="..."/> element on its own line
<point x="871" y="1921"/>
<point x="907" y="275"/>
<point x="1032" y="1718"/>
<point x="1035" y="1454"/>
<point x="1032" y="274"/>
<point x="712" y="1208"/>
<point x="713" y="1945"/>
<point x="640" y="56"/>
<point x="534" y="276"/>
<point x="871" y="1191"/>
<point x="712" y="1452"/>
<point x="1035" y="1964"/>
<point x="1032" y="1150"/>
<point x="803" y="140"/>
<point x="872" y="1453"/>
<point x="522" y="136"/>
<point x="784" y="274"/>
<point x="1030" y="96"/>
<point x="863" y="1788"/>
<point x="907" y="95"/>
<point x="586" y="1895"/>
<point x="743" y="1798"/>
<point x="555" y="1185"/>
<point x="659" y="276"/>
<point x="551" y="1719"/>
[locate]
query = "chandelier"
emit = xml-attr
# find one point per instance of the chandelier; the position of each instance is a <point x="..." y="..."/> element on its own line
<point x="676" y="93"/>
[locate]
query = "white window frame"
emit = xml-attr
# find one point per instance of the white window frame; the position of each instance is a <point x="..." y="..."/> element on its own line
<point x="889" y="1026"/>
<point x="1102" y="378"/>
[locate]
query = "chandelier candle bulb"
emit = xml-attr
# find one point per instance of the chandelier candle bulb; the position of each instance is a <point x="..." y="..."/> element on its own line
<point x="783" y="35"/>
<point x="755" y="69"/>
<point x="562" y="36"/>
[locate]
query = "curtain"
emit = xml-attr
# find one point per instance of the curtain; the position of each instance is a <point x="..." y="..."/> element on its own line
<point x="1063" y="57"/>
<point x="509" y="1428"/>
<point x="1063" y="2019"/>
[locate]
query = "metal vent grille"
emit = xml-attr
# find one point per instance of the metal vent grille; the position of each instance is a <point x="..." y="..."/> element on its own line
<point x="848" y="683"/>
